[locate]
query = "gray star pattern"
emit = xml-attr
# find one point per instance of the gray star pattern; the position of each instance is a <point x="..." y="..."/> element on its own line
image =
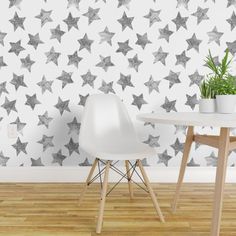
<point x="152" y="141"/>
<point x="73" y="3"/>
<point x="106" y="87"/>
<point x="17" y="21"/>
<point x="52" y="56"/>
<point x="85" y="42"/>
<point x="180" y="129"/>
<point x="36" y="162"/>
<point x="32" y="101"/>
<point x="231" y="3"/>
<point x="74" y="126"/>
<point x="2" y="36"/>
<point x="57" y="33"/>
<point x="142" y="40"/>
<point x="160" y="56"/>
<point x="2" y="63"/>
<point x="211" y="160"/>
<point x="124" y="3"/>
<point x="144" y="162"/>
<point x="105" y="63"/>
<point x="44" y="16"/>
<point x="182" y="59"/>
<point x="173" y="78"/>
<point x="232" y="21"/>
<point x="134" y="62"/>
<point x="9" y="105"/>
<point x="192" y="101"/>
<point x="88" y="78"/>
<point x="183" y="3"/>
<point x="192" y="163"/>
<point x="92" y="15"/>
<point x="232" y="47"/>
<point x="71" y="22"/>
<point x="165" y="33"/>
<point x="126" y="21"/>
<point x="15" y="3"/>
<point x="45" y="85"/>
<point x="27" y="63"/>
<point x="44" y="119"/>
<point x="125" y="81"/>
<point x="152" y="85"/>
<point x="20" y="125"/>
<point x="20" y="147"/>
<point x="153" y="17"/>
<point x="106" y="36"/>
<point x="46" y="141"/>
<point x="18" y="81"/>
<point x="195" y="78"/>
<point x="177" y="146"/>
<point x="83" y="99"/>
<point x="3" y="159"/>
<point x="3" y="88"/>
<point x="62" y="105"/>
<point x="58" y="157"/>
<point x="164" y="158"/>
<point x="214" y="36"/>
<point x="169" y="105"/>
<point x="201" y="14"/>
<point x="180" y="21"/>
<point x="74" y="59"/>
<point x="16" y="47"/>
<point x="138" y="101"/>
<point x="193" y="43"/>
<point x="124" y="47"/>
<point x="85" y="163"/>
<point x="34" y="40"/>
<point x="72" y="147"/>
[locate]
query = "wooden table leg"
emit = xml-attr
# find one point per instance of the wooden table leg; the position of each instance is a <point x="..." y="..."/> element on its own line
<point x="220" y="180"/>
<point x="187" y="148"/>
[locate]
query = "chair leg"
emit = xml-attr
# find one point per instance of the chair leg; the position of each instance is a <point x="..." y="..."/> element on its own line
<point x="103" y="199"/>
<point x="151" y="192"/>
<point x="87" y="180"/>
<point x="131" y="193"/>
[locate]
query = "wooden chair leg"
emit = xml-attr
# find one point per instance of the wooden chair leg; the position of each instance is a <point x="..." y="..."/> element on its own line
<point x="187" y="148"/>
<point x="103" y="199"/>
<point x="220" y="180"/>
<point x="151" y="192"/>
<point x="131" y="193"/>
<point x="87" y="180"/>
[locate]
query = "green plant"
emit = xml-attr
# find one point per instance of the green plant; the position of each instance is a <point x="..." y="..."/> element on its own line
<point x="206" y="90"/>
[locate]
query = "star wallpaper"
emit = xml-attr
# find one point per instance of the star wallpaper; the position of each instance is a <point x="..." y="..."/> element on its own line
<point x="55" y="53"/>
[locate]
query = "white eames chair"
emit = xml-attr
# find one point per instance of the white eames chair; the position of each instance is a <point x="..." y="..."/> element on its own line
<point x="107" y="133"/>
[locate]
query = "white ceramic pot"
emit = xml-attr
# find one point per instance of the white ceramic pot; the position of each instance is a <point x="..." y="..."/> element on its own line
<point x="225" y="103"/>
<point x="207" y="105"/>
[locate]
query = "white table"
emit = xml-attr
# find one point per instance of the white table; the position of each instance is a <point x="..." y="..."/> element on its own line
<point x="223" y="142"/>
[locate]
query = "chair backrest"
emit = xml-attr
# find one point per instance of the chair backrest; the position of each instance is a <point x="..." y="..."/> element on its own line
<point x="105" y="123"/>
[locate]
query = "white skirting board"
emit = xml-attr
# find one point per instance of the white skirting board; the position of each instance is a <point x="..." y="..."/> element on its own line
<point x="79" y="174"/>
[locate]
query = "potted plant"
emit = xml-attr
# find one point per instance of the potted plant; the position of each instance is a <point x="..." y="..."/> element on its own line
<point x="207" y="101"/>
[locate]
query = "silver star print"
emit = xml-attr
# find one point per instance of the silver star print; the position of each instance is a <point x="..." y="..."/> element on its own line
<point x="85" y="42"/>
<point x="214" y="36"/>
<point x="152" y="141"/>
<point x="9" y="105"/>
<point x="2" y="63"/>
<point x="106" y="36"/>
<point x="74" y="126"/>
<point x="83" y="99"/>
<point x="16" y="47"/>
<point x="18" y="81"/>
<point x="35" y="40"/>
<point x="19" y="125"/>
<point x="192" y="163"/>
<point x="72" y="147"/>
<point x="71" y="22"/>
<point x="27" y="63"/>
<point x="124" y="3"/>
<point x="177" y="146"/>
<point x="65" y="77"/>
<point x="57" y="33"/>
<point x="62" y="105"/>
<point x="88" y="78"/>
<point x="169" y="105"/>
<point x="105" y="63"/>
<point x="164" y="158"/>
<point x="73" y="3"/>
<point x="3" y="88"/>
<point x="195" y="78"/>
<point x="44" y="16"/>
<point x="173" y="78"/>
<point x="134" y="62"/>
<point x="2" y="36"/>
<point x="45" y="85"/>
<point x="15" y="3"/>
<point x="92" y="15"/>
<point x="182" y="59"/>
<point x="106" y="87"/>
<point x="232" y="47"/>
<point x="211" y="160"/>
<point x="124" y="47"/>
<point x="125" y="81"/>
<point x="17" y="21"/>
<point x="44" y="119"/>
<point x="160" y="56"/>
<point x="180" y="21"/>
<point x="192" y="101"/>
<point x="85" y="163"/>
<point x="182" y="3"/>
<point x="20" y="147"/>
<point x="142" y="40"/>
<point x="58" y="157"/>
<point x="153" y="17"/>
<point x="36" y="162"/>
<point x="32" y="101"/>
<point x="52" y="56"/>
<point x="152" y="85"/>
<point x="138" y="101"/>
<point x="231" y="3"/>
<point x="126" y="21"/>
<point x="201" y="14"/>
<point x="46" y="141"/>
<point x="74" y="59"/>
<point x="3" y="159"/>
<point x="165" y="33"/>
<point x="180" y="129"/>
<point x="232" y="21"/>
<point x="193" y="42"/>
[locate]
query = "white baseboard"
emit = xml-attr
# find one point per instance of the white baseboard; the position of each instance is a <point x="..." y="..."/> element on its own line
<point x="79" y="174"/>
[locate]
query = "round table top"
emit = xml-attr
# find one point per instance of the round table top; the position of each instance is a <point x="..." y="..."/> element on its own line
<point x="190" y="119"/>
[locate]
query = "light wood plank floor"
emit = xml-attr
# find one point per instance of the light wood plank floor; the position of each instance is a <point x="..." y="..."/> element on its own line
<point x="52" y="209"/>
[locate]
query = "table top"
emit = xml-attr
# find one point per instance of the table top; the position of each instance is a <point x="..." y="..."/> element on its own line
<point x="190" y="119"/>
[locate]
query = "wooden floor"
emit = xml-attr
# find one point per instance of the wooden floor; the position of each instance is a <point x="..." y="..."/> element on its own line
<point x="52" y="209"/>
